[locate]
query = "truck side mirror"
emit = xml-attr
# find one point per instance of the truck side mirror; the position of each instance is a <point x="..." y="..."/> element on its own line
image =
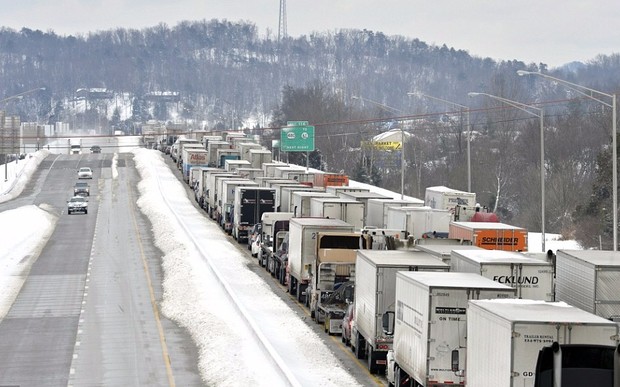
<point x="387" y="323"/>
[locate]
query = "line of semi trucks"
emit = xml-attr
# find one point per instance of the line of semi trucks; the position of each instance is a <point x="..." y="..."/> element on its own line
<point x="433" y="292"/>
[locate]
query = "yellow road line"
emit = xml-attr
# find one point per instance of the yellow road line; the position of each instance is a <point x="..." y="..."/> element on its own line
<point x="162" y="338"/>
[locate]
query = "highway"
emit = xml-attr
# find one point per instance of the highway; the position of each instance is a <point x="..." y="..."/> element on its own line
<point x="87" y="313"/>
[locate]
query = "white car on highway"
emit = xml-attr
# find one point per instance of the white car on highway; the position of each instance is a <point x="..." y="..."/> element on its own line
<point x="77" y="204"/>
<point x="85" y="173"/>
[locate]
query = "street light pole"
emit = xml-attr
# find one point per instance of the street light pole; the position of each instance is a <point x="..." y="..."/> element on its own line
<point x="16" y="96"/>
<point x="590" y="93"/>
<point x="392" y="110"/>
<point x="467" y="110"/>
<point x="530" y="110"/>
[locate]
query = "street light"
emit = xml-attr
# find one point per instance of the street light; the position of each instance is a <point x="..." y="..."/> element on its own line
<point x="530" y="110"/>
<point x="392" y="110"/>
<point x="16" y="96"/>
<point x="468" y="131"/>
<point x="596" y="95"/>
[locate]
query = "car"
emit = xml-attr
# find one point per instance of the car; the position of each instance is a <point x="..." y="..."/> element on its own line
<point x="95" y="149"/>
<point x="77" y="204"/>
<point x="85" y="173"/>
<point x="81" y="188"/>
<point x="347" y="323"/>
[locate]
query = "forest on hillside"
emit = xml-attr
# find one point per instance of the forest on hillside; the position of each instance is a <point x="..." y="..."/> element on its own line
<point x="352" y="85"/>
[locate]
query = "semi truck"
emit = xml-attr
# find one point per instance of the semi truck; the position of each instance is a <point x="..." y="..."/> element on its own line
<point x="533" y="278"/>
<point x="224" y="154"/>
<point x="227" y="198"/>
<point x="258" y="157"/>
<point x="300" y="205"/>
<point x="351" y="211"/>
<point x="330" y="180"/>
<point x="375" y="272"/>
<point x="303" y="249"/>
<point x="286" y="198"/>
<point x="212" y="147"/>
<point x="444" y="198"/>
<point x="490" y="235"/>
<point x="430" y="330"/>
<point x="193" y="157"/>
<point x="418" y="221"/>
<point x="272" y="224"/>
<point x="376" y="211"/>
<point x="75" y="146"/>
<point x="444" y="250"/>
<point x="505" y="336"/>
<point x="590" y="280"/>
<point x="333" y="265"/>
<point x="214" y="198"/>
<point x="249" y="205"/>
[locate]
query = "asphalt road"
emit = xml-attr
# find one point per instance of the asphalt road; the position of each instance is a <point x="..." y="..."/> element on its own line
<point x="357" y="368"/>
<point x="87" y="313"/>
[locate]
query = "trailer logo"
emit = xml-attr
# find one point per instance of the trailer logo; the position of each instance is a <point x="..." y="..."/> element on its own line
<point x="500" y="241"/>
<point x="515" y="280"/>
<point x="450" y="310"/>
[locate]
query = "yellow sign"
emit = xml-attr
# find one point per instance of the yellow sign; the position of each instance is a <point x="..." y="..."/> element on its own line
<point x="382" y="145"/>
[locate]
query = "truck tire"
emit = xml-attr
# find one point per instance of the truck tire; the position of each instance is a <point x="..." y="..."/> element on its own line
<point x="291" y="286"/>
<point x="360" y="347"/>
<point x="372" y="361"/>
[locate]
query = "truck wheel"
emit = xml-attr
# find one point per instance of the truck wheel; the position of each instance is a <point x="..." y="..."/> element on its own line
<point x="291" y="286"/>
<point x="326" y="325"/>
<point x="372" y="361"/>
<point x="360" y="346"/>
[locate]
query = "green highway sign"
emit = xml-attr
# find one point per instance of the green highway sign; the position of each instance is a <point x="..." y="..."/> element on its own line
<point x="297" y="138"/>
<point x="296" y="123"/>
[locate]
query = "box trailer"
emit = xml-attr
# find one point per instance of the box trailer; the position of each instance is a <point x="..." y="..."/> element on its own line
<point x="258" y="157"/>
<point x="286" y="198"/>
<point x="246" y="147"/>
<point x="376" y="210"/>
<point x="249" y="205"/>
<point x="430" y="332"/>
<point x="269" y="168"/>
<point x="444" y="250"/>
<point x="445" y="198"/>
<point x="533" y="278"/>
<point x="209" y="188"/>
<point x="249" y="173"/>
<point x="330" y="180"/>
<point x="302" y="200"/>
<point x="350" y="211"/>
<point x="233" y="165"/>
<point x="419" y="222"/>
<point x="375" y="272"/>
<point x="590" y="280"/>
<point x="193" y="157"/>
<point x="212" y="148"/>
<point x="224" y="154"/>
<point x="227" y="200"/>
<point x="490" y="235"/>
<point x="505" y="336"/>
<point x="303" y="248"/>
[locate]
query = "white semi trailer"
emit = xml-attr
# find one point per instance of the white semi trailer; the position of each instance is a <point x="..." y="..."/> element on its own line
<point x="375" y="272"/>
<point x="430" y="331"/>
<point x="505" y="336"/>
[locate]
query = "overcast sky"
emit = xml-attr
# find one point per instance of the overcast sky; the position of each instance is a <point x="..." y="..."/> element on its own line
<point x="548" y="31"/>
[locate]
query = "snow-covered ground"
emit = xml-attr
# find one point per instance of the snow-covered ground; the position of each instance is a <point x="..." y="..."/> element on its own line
<point x="187" y="295"/>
